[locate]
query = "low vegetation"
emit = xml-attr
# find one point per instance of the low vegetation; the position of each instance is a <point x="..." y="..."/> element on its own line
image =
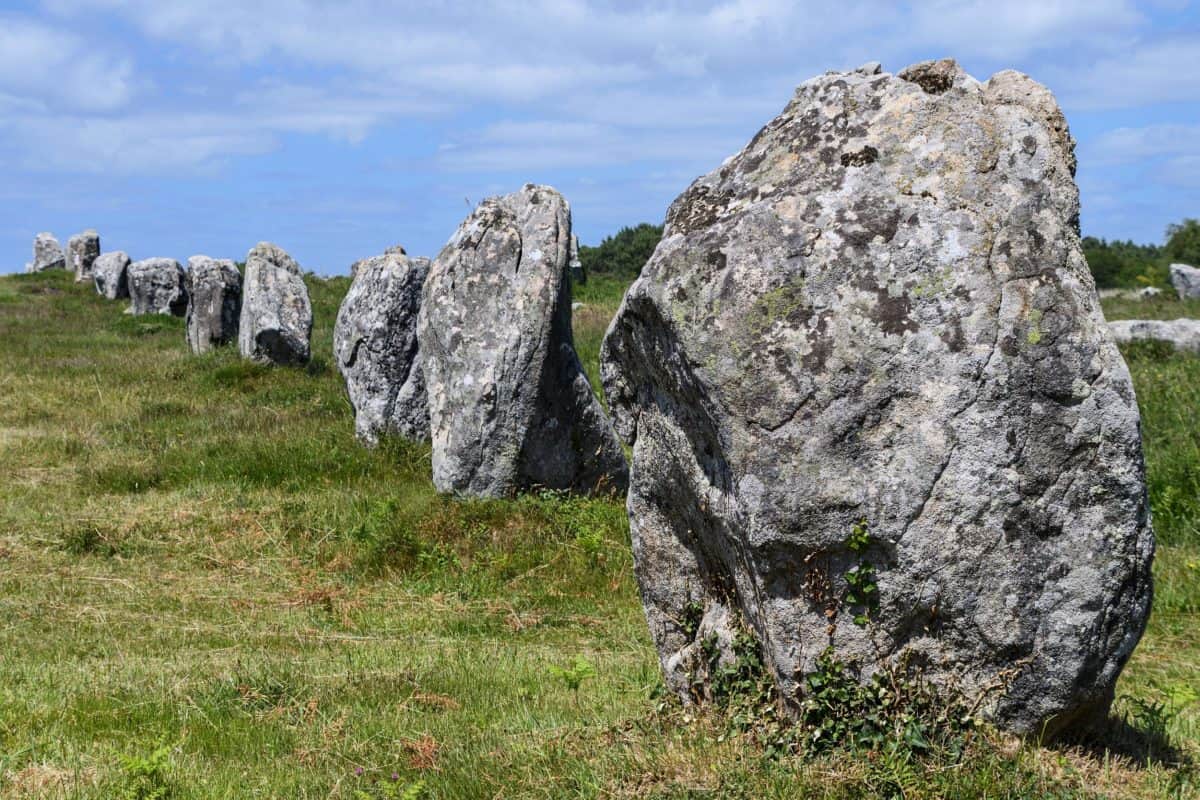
<point x="209" y="590"/>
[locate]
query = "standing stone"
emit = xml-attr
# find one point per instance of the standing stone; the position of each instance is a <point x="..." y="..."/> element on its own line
<point x="214" y="292"/>
<point x="375" y="342"/>
<point x="509" y="405"/>
<point x="879" y="313"/>
<point x="1186" y="281"/>
<point x="575" y="266"/>
<point x="276" y="321"/>
<point x="156" y="286"/>
<point x="109" y="272"/>
<point x="47" y="254"/>
<point x="1181" y="334"/>
<point x="82" y="251"/>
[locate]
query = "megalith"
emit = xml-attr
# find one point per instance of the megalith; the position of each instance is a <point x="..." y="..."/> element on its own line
<point x="868" y="350"/>
<point x="82" y="251"/>
<point x="214" y="292"/>
<point x="110" y="274"/>
<point x="276" y="319"/>
<point x="156" y="286"/>
<point x="47" y="254"/>
<point x="510" y="407"/>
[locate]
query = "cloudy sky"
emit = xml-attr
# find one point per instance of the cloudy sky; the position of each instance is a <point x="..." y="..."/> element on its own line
<point x="339" y="127"/>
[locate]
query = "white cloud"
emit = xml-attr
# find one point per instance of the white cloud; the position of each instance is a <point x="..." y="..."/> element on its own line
<point x="1137" y="75"/>
<point x="59" y="68"/>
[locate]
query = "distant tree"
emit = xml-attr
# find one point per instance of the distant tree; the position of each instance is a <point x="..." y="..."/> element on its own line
<point x="1124" y="265"/>
<point x="1183" y="242"/>
<point x="624" y="254"/>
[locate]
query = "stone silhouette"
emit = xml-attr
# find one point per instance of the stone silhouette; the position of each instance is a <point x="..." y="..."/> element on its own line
<point x="375" y="343"/>
<point x="156" y="286"/>
<point x="1186" y="281"/>
<point x="1181" y="334"/>
<point x="82" y="251"/>
<point x="214" y="292"/>
<point x="47" y="254"/>
<point x="509" y="405"/>
<point x="276" y="321"/>
<point x="109" y="272"/>
<point x="874" y="405"/>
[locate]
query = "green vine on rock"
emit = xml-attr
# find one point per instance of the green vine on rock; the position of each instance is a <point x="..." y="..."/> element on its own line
<point x="862" y="587"/>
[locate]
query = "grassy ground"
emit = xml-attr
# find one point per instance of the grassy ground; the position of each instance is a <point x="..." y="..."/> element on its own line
<point x="209" y="590"/>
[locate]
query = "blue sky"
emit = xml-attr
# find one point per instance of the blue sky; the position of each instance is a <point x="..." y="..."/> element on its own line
<point x="336" y="129"/>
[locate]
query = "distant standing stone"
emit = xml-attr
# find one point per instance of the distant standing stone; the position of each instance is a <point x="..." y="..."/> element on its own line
<point x="877" y="317"/>
<point x="156" y="286"/>
<point x="47" y="254"/>
<point x="575" y="266"/>
<point x="109" y="272"/>
<point x="82" y="251"/>
<point x="375" y="343"/>
<point x="1186" y="281"/>
<point x="276" y="321"/>
<point x="1181" y="334"/>
<point x="214" y="291"/>
<point x="510" y="407"/>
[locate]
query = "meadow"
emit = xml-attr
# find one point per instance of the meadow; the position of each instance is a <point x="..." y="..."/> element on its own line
<point x="208" y="589"/>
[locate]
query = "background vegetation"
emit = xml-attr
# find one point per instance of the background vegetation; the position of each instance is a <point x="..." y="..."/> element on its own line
<point x="209" y="590"/>
<point x="1125" y="265"/>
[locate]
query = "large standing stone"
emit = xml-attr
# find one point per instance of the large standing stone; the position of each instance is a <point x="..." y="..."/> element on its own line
<point x="109" y="272"/>
<point x="82" y="251"/>
<point x="509" y="405"/>
<point x="276" y="321"/>
<point x="575" y="265"/>
<point x="47" y="254"/>
<point x="156" y="286"/>
<point x="1181" y="334"/>
<point x="214" y="291"/>
<point x="1186" y="281"/>
<point x="375" y="342"/>
<point x="879" y="311"/>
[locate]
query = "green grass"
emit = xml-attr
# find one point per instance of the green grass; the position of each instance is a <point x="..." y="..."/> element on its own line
<point x="209" y="590"/>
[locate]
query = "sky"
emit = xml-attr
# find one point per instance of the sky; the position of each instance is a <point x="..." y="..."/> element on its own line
<point x="339" y="128"/>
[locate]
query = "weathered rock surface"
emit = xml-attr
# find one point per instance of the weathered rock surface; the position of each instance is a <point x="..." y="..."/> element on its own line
<point x="1182" y="334"/>
<point x="510" y="407"/>
<point x="82" y="251"/>
<point x="156" y="286"/>
<point x="375" y="342"/>
<point x="109" y="272"/>
<point x="880" y="311"/>
<point x="214" y="292"/>
<point x="276" y="321"/>
<point x="1186" y="281"/>
<point x="47" y="254"/>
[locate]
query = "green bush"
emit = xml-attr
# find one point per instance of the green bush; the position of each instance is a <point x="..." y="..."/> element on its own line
<point x="623" y="254"/>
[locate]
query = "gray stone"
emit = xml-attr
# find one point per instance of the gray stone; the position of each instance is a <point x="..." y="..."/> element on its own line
<point x="276" y="321"/>
<point x="214" y="291"/>
<point x="375" y="344"/>
<point x="509" y="404"/>
<point x="82" y="251"/>
<point x="574" y="265"/>
<point x="109" y="272"/>
<point x="1182" y="334"/>
<point x="156" y="286"/>
<point x="880" y="311"/>
<point x="1186" y="281"/>
<point x="47" y="254"/>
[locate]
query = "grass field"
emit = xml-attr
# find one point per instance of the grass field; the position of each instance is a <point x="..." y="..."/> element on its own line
<point x="209" y="590"/>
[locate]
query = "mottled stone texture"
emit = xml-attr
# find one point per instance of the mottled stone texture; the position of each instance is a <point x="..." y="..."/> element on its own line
<point x="510" y="407"/>
<point x="47" y="254"/>
<point x="109" y="272"/>
<point x="82" y="251"/>
<point x="879" y="310"/>
<point x="1186" y="281"/>
<point x="276" y="321"/>
<point x="375" y="344"/>
<point x="1181" y="334"/>
<point x="156" y="286"/>
<point x="214" y="289"/>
